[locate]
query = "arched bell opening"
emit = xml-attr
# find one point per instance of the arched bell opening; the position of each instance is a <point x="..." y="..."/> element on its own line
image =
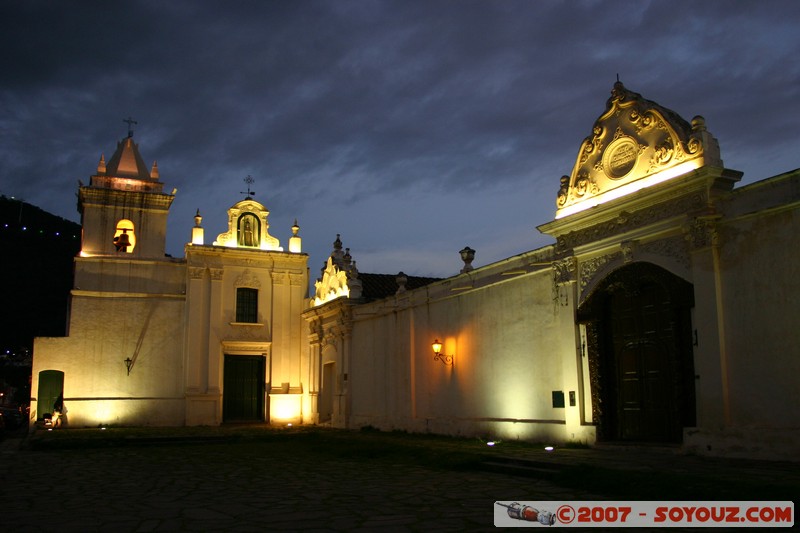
<point x="125" y="236"/>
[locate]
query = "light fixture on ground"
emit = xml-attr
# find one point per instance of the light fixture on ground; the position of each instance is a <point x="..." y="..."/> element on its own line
<point x="439" y="356"/>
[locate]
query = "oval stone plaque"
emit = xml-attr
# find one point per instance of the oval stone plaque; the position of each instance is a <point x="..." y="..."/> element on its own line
<point x="620" y="157"/>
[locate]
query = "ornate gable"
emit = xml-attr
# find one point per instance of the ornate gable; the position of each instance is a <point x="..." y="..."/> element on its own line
<point x="634" y="144"/>
<point x="339" y="277"/>
<point x="332" y="285"/>
<point x="247" y="228"/>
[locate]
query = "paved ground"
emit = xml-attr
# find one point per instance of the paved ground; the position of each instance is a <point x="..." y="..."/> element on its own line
<point x="233" y="484"/>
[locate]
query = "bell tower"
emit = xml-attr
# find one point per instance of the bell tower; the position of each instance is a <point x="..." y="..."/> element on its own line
<point x="123" y="209"/>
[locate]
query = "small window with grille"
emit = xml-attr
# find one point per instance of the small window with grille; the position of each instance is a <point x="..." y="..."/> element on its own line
<point x="246" y="305"/>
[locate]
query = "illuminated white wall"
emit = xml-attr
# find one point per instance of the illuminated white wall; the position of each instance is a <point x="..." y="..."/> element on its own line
<point x="106" y="329"/>
<point x="756" y="369"/>
<point x="281" y="279"/>
<point x="506" y="334"/>
<point x="148" y="334"/>
<point x="511" y="326"/>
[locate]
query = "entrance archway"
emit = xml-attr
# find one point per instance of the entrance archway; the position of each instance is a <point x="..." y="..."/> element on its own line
<point x="638" y="324"/>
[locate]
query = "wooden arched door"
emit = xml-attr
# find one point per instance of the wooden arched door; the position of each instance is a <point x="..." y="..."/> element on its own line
<point x="640" y="355"/>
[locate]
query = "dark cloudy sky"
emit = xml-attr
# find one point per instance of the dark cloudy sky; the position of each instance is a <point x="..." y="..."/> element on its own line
<point x="413" y="128"/>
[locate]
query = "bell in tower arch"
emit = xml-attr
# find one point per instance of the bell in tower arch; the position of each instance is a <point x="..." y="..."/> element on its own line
<point x="122" y="241"/>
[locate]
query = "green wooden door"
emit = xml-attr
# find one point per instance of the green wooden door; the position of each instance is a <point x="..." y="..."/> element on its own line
<point x="51" y="386"/>
<point x="243" y="393"/>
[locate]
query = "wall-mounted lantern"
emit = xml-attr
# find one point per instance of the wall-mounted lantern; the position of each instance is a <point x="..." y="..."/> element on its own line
<point x="439" y="356"/>
<point x="128" y="364"/>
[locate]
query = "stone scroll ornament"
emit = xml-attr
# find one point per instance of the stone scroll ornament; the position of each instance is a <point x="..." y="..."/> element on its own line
<point x="634" y="144"/>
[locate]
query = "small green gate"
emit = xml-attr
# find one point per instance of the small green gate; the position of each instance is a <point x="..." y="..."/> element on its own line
<point x="51" y="386"/>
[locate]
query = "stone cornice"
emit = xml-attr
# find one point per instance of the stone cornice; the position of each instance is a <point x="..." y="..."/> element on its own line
<point x="246" y="346"/>
<point x="328" y="309"/>
<point x="108" y="294"/>
<point x="127" y="260"/>
<point x="129" y="199"/>
<point x="199" y="254"/>
<point x="692" y="195"/>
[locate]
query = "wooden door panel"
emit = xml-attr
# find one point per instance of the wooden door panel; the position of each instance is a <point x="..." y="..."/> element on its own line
<point x="243" y="393"/>
<point x="641" y="335"/>
<point x="640" y="354"/>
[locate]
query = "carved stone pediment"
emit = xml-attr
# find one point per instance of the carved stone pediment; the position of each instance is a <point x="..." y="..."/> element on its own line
<point x="248" y="228"/>
<point x="634" y="144"/>
<point x="626" y="222"/>
<point x="247" y="279"/>
<point x="332" y="285"/>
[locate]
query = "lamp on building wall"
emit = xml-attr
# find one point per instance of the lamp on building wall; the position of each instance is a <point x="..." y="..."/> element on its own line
<point x="439" y="356"/>
<point x="128" y="364"/>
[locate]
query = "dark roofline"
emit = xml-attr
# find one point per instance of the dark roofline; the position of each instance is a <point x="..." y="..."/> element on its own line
<point x="380" y="286"/>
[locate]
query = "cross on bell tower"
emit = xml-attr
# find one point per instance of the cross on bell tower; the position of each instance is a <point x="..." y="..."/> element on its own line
<point x="130" y="122"/>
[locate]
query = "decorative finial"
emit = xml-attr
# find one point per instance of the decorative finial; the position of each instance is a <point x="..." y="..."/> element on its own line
<point x="130" y="122"/>
<point x="197" y="218"/>
<point x="401" y="280"/>
<point x="249" y="181"/>
<point x="467" y="255"/>
<point x="154" y="171"/>
<point x="101" y="166"/>
<point x="618" y="91"/>
<point x="295" y="228"/>
<point x="698" y="123"/>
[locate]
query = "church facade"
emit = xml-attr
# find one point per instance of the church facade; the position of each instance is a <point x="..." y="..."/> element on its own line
<point x="154" y="340"/>
<point x="663" y="313"/>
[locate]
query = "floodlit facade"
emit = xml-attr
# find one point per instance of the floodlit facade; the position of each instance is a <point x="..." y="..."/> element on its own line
<point x="153" y="340"/>
<point x="663" y="313"/>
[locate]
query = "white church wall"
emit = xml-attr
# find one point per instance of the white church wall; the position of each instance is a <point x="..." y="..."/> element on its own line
<point x="508" y="338"/>
<point x="120" y="274"/>
<point x="281" y="280"/>
<point x="746" y="410"/>
<point x="761" y="282"/>
<point x="104" y="333"/>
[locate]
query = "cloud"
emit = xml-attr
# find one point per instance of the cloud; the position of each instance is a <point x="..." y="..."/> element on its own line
<point x="349" y="112"/>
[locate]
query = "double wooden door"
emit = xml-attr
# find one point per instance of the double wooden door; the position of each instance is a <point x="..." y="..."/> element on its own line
<point x="243" y="395"/>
